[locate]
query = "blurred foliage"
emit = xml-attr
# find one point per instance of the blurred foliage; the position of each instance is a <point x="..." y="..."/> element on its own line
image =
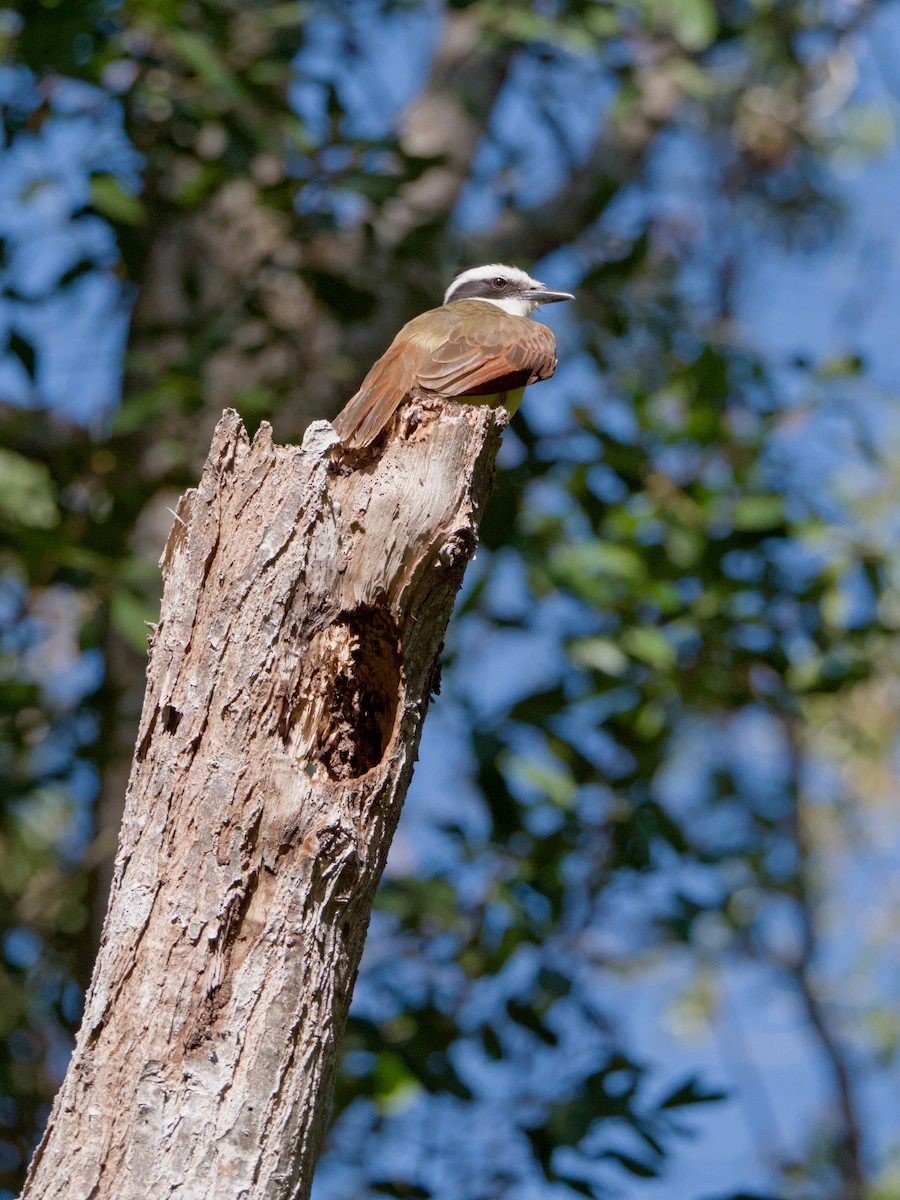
<point x="273" y="224"/>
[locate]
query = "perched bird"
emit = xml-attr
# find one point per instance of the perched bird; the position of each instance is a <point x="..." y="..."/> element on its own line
<point x="479" y="347"/>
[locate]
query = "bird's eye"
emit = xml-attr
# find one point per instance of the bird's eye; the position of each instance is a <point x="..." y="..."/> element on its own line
<point x="499" y="283"/>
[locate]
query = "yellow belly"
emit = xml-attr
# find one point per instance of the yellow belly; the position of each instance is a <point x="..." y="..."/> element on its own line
<point x="510" y="400"/>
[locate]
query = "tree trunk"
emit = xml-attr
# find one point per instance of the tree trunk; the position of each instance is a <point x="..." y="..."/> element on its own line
<point x="306" y="598"/>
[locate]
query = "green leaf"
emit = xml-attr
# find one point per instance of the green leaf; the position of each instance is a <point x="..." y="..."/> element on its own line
<point x="589" y="560"/>
<point x="577" y="1185"/>
<point x="129" y="614"/>
<point x="27" y="494"/>
<point x="525" y="1016"/>
<point x="642" y="1169"/>
<point x="490" y="1041"/>
<point x="842" y="367"/>
<point x="23" y="350"/>
<point x="82" y="267"/>
<point x="758" y="512"/>
<point x="553" y="982"/>
<point x="111" y="200"/>
<point x="395" y="1085"/>
<point x="694" y="23"/>
<point x="599" y="654"/>
<point x="650" y="645"/>
<point x="197" y="53"/>
<point x="691" y="1092"/>
<point x="684" y="546"/>
<point x="550" y="779"/>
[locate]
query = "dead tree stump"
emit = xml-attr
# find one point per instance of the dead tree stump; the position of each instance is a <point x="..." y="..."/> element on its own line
<point x="306" y="597"/>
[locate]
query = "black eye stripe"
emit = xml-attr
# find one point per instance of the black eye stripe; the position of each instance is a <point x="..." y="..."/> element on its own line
<point x="484" y="288"/>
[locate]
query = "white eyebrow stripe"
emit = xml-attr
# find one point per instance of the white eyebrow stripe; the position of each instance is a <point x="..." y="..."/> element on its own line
<point x="489" y="271"/>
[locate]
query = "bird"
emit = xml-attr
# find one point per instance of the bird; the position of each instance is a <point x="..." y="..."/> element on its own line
<point x="479" y="347"/>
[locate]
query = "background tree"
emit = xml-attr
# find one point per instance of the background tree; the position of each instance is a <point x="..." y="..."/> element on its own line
<point x="667" y="703"/>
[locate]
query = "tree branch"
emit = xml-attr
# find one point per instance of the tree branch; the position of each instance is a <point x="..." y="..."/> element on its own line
<point x="306" y="598"/>
<point x="800" y="969"/>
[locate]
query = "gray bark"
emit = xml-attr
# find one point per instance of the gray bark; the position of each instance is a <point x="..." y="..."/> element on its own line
<point x="306" y="598"/>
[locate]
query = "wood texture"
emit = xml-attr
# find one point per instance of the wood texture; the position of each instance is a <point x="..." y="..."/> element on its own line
<point x="307" y="592"/>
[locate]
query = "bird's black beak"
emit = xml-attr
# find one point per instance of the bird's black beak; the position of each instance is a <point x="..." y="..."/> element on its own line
<point x="544" y="295"/>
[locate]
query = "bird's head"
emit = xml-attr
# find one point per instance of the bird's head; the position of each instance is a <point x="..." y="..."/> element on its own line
<point x="507" y="287"/>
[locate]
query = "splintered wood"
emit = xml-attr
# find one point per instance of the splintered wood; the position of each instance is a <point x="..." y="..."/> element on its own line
<point x="307" y="592"/>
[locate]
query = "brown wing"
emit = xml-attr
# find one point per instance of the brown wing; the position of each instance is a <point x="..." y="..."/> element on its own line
<point x="507" y="352"/>
<point x="438" y="352"/>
